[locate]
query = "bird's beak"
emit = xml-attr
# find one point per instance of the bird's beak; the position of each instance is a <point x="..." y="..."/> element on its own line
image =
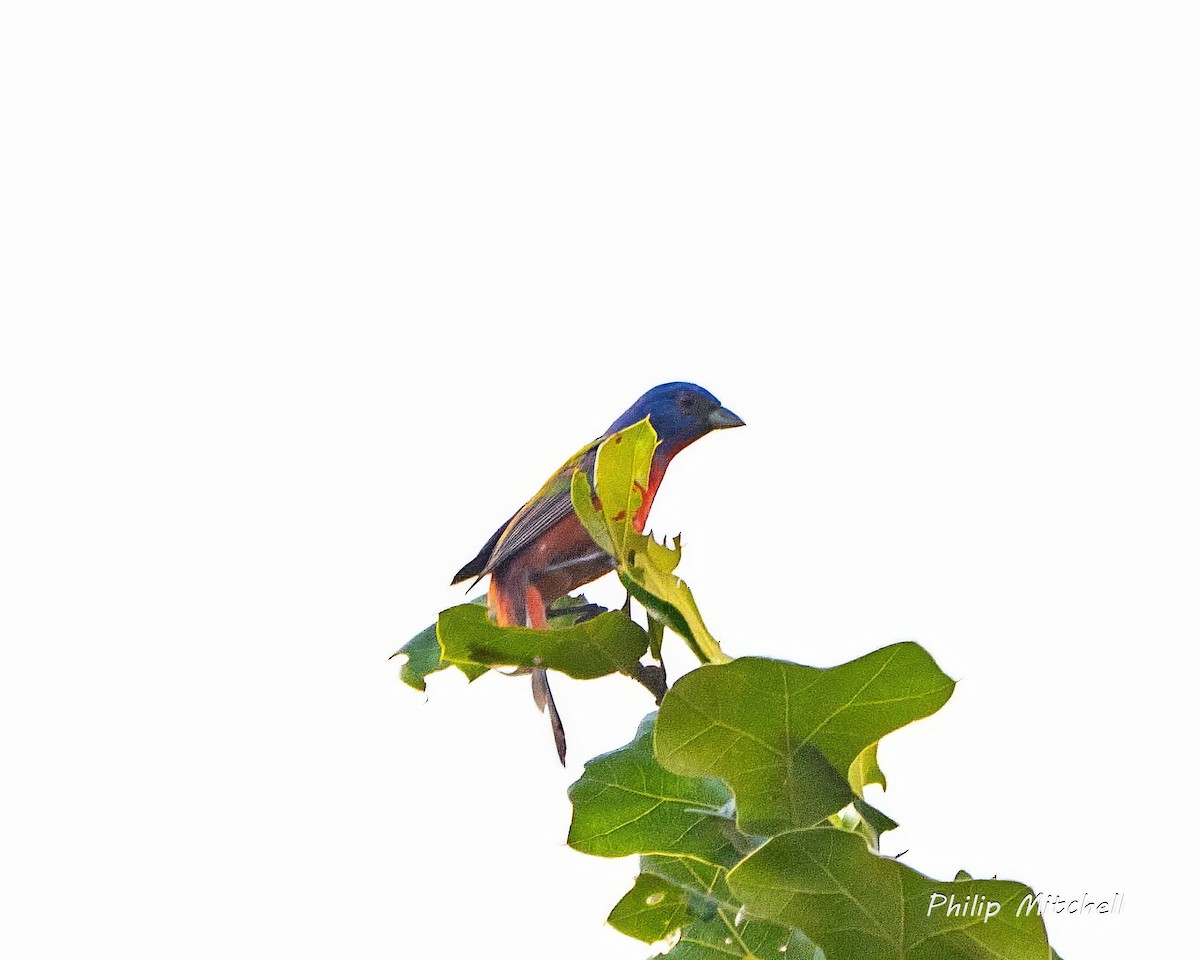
<point x="721" y="418"/>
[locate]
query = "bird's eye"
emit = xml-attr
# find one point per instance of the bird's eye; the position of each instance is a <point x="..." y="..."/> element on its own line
<point x="687" y="402"/>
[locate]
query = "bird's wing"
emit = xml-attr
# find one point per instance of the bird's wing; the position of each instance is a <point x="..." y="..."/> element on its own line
<point x="547" y="507"/>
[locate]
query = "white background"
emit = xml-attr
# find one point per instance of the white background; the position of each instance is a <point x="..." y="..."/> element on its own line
<point x="301" y="300"/>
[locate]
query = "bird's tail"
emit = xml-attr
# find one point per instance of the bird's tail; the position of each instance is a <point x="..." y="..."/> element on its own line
<point x="527" y="608"/>
<point x="544" y="698"/>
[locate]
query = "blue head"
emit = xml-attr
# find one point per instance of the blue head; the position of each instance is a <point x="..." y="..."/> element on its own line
<point x="680" y="414"/>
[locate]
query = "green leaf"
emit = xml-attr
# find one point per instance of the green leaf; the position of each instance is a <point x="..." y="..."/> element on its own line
<point x="423" y="653"/>
<point x="860" y="906"/>
<point x="651" y="910"/>
<point x="862" y="818"/>
<point x="607" y="505"/>
<point x="654" y="627"/>
<point x="703" y="883"/>
<point x="626" y="803"/>
<point x="875" y="821"/>
<point x="650" y="579"/>
<point x="784" y="736"/>
<point x="722" y="938"/>
<point x="609" y="643"/>
<point x="571" y="609"/>
<point x="423" y="656"/>
<point x="865" y="769"/>
<point x="703" y="923"/>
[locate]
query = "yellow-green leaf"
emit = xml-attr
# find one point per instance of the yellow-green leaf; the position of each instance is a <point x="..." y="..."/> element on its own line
<point x="607" y="504"/>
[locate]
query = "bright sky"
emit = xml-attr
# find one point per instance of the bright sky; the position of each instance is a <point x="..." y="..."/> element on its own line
<point x="302" y="301"/>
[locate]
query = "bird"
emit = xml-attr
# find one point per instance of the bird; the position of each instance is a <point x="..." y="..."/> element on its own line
<point x="542" y="552"/>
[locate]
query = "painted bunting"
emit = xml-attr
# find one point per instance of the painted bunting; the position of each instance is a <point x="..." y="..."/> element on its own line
<point x="542" y="552"/>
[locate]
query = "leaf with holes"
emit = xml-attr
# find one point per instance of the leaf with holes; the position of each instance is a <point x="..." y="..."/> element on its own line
<point x="685" y="902"/>
<point x="423" y="656"/>
<point x="607" y="504"/>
